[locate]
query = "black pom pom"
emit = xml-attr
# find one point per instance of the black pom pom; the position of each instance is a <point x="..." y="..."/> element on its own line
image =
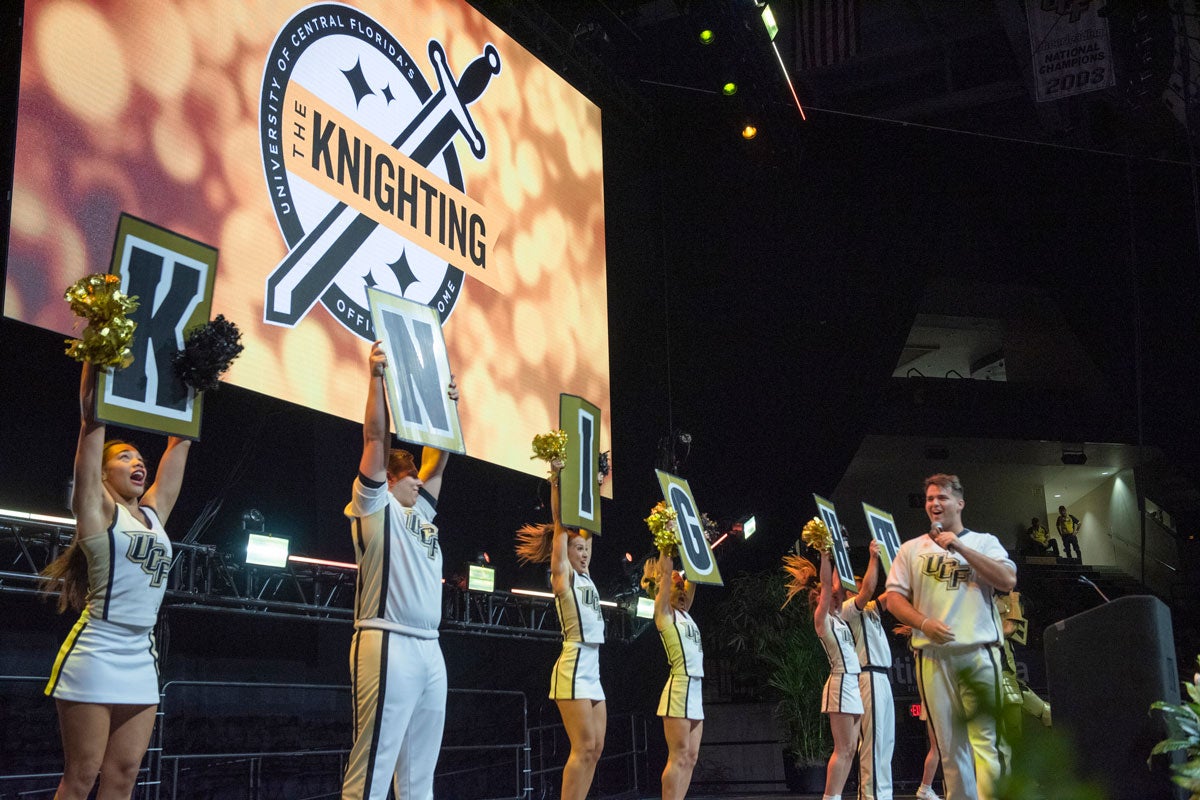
<point x="207" y="352"/>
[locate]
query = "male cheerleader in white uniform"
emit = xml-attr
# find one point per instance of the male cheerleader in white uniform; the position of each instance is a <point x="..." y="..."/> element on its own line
<point x="877" y="731"/>
<point x="397" y="673"/>
<point x="942" y="585"/>
<point x="575" y="682"/>
<point x="105" y="679"/>
<point x="680" y="706"/>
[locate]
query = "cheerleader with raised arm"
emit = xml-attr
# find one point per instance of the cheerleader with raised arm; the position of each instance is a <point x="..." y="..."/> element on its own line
<point x="105" y="678"/>
<point x="680" y="706"/>
<point x="841" y="698"/>
<point x="575" y="682"/>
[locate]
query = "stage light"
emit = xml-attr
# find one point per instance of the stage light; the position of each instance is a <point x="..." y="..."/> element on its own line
<point x="749" y="131"/>
<point x="1074" y="456"/>
<point x="729" y="89"/>
<point x="768" y="18"/>
<point x="35" y="517"/>
<point x="481" y="578"/>
<point x="533" y="593"/>
<point x="266" y="550"/>
<point x="321" y="562"/>
<point x="707" y="36"/>
<point x="482" y="558"/>
<point x="645" y="608"/>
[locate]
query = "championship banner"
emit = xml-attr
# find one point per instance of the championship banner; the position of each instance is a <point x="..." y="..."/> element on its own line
<point x="841" y="556"/>
<point x="418" y="372"/>
<point x="579" y="481"/>
<point x="1071" y="51"/>
<point x="172" y="277"/>
<point x="882" y="526"/>
<point x="694" y="548"/>
<point x="327" y="148"/>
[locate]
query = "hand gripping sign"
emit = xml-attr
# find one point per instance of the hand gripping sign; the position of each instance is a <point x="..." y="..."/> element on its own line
<point x="840" y="555"/>
<point x="418" y="372"/>
<point x="172" y="276"/>
<point x="694" y="549"/>
<point x="579" y="481"/>
<point x="882" y="526"/>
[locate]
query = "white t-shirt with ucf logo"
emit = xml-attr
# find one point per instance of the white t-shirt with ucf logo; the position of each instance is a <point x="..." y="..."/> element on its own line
<point x="399" y="561"/>
<point x="942" y="585"/>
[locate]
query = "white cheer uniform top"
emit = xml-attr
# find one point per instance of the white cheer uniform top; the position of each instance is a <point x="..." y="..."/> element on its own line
<point x="870" y="641"/>
<point x="839" y="646"/>
<point x="399" y="561"/>
<point x="579" y="611"/>
<point x="942" y="585"/>
<point x="681" y="638"/>
<point x="127" y="569"/>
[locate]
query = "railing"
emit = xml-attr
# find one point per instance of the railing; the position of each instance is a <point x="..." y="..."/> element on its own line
<point x="176" y="769"/>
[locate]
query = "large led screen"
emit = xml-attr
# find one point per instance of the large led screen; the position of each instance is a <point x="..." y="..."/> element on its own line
<point x="324" y="149"/>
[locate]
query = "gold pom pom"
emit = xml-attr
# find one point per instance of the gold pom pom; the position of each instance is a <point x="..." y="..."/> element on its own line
<point x="550" y="446"/>
<point x="662" y="526"/>
<point x="816" y="535"/>
<point x="105" y="341"/>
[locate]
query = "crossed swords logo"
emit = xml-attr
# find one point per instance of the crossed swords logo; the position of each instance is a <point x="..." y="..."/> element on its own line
<point x="310" y="267"/>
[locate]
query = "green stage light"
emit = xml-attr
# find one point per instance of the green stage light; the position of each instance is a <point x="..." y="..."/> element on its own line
<point x="729" y="89"/>
<point x="707" y="36"/>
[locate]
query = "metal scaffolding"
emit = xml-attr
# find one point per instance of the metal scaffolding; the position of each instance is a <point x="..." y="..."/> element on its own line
<point x="204" y="577"/>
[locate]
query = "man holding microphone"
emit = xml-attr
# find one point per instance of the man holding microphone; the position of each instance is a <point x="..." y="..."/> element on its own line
<point x="941" y="584"/>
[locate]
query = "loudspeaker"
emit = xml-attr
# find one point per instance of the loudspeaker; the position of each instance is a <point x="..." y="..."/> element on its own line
<point x="1104" y="668"/>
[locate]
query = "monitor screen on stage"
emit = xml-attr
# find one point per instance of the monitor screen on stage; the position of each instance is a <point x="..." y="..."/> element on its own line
<point x="323" y="149"/>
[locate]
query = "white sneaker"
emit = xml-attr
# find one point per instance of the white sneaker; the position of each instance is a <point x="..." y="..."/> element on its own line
<point x="927" y="794"/>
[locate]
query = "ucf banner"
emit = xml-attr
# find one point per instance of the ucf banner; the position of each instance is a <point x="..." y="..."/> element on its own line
<point x="327" y="149"/>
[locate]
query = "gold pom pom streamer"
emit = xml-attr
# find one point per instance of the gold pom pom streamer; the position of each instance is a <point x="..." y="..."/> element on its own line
<point x="816" y="535"/>
<point x="550" y="446"/>
<point x="106" y="339"/>
<point x="662" y="526"/>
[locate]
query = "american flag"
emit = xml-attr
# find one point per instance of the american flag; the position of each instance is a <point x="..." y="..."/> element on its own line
<point x="826" y="32"/>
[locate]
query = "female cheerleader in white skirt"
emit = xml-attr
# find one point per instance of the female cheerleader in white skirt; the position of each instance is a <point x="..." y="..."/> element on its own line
<point x="575" y="683"/>
<point x="680" y="706"/>
<point x="841" y="699"/>
<point x="105" y="678"/>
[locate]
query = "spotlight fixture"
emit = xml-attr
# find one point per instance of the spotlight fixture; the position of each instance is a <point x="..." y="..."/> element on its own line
<point x="749" y="526"/>
<point x="729" y="89"/>
<point x="481" y="578"/>
<point x="749" y="131"/>
<point x="707" y="36"/>
<point x="266" y="550"/>
<point x="1074" y="456"/>
<point x="645" y="608"/>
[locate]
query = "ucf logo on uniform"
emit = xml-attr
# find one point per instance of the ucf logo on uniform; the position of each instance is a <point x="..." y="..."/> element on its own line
<point x="591" y="598"/>
<point x="946" y="570"/>
<point x="146" y="552"/>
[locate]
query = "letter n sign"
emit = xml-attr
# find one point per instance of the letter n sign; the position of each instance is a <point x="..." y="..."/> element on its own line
<point x="694" y="549"/>
<point x="579" y="482"/>
<point x="172" y="276"/>
<point x="418" y="372"/>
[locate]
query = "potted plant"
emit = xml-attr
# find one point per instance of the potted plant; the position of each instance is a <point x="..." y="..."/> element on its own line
<point x="773" y="649"/>
<point x="1183" y="724"/>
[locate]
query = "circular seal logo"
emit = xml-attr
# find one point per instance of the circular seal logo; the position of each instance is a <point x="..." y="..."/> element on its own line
<point x="355" y="66"/>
